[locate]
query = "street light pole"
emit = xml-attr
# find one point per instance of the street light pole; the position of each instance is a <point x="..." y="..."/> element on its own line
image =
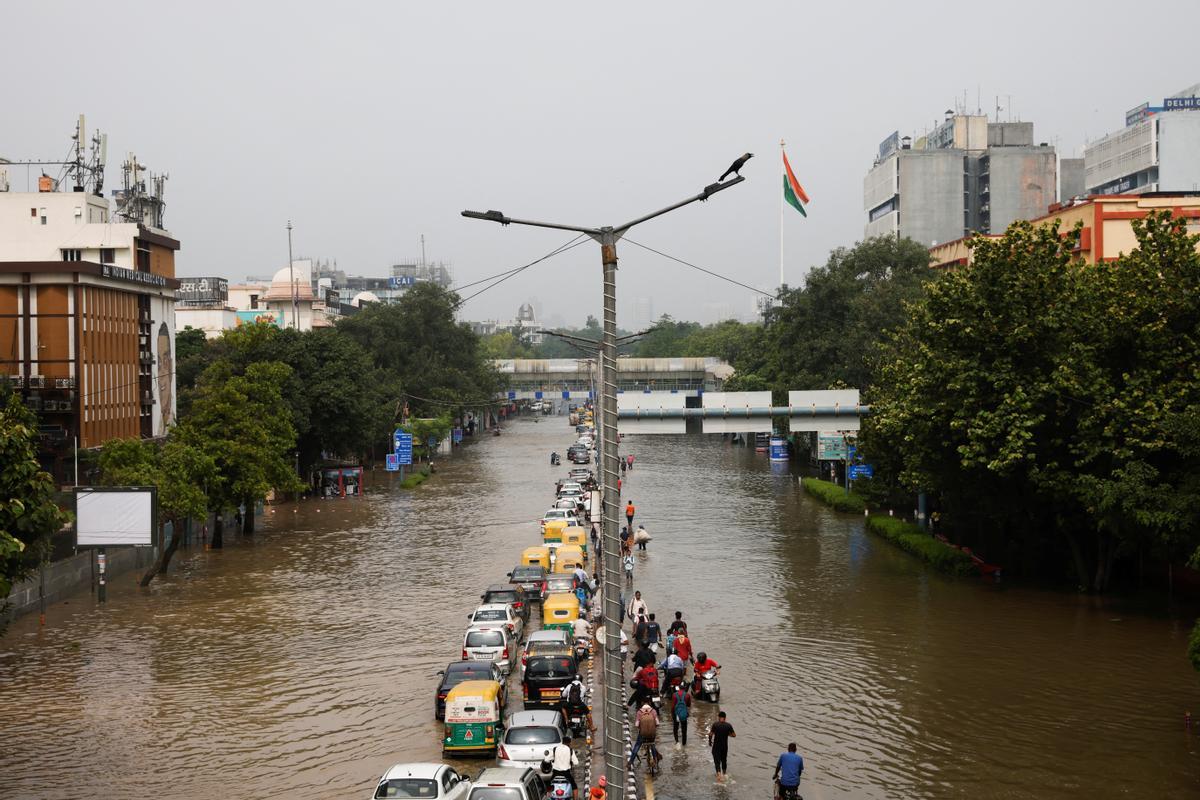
<point x="613" y="664"/>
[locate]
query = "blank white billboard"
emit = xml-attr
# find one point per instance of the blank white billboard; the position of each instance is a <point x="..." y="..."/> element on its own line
<point x="114" y="517"/>
<point x="650" y="403"/>
<point x="733" y="404"/>
<point x="845" y="401"/>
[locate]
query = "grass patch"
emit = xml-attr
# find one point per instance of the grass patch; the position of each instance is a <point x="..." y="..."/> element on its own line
<point x="911" y="538"/>
<point x="833" y="495"/>
<point x="415" y="479"/>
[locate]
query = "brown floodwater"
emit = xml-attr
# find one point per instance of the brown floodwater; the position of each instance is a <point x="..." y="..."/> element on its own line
<point x="301" y="662"/>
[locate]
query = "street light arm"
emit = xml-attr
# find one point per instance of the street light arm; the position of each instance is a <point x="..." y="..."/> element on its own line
<point x="496" y="216"/>
<point x="708" y="192"/>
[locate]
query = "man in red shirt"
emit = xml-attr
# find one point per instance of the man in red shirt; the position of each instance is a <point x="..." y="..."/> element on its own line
<point x="703" y="664"/>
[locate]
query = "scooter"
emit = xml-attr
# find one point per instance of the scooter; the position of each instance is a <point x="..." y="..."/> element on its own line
<point x="557" y="787"/>
<point x="707" y="686"/>
<point x="582" y="645"/>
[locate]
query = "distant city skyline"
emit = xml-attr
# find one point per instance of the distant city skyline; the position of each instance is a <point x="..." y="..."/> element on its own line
<point x="368" y="146"/>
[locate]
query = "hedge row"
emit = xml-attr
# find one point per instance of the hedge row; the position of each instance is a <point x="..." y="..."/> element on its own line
<point x="910" y="537"/>
<point x="415" y="479"/>
<point x="833" y="495"/>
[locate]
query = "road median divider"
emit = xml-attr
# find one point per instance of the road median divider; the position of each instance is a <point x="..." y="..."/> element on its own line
<point x="415" y="478"/>
<point x="905" y="535"/>
<point x="834" y="496"/>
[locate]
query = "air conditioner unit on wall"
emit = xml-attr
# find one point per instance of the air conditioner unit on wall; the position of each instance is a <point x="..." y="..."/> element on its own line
<point x="37" y="382"/>
<point x="16" y="381"/>
<point x="64" y="383"/>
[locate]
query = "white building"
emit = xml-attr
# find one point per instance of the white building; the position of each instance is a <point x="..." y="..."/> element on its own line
<point x="1158" y="150"/>
<point x="87" y="321"/>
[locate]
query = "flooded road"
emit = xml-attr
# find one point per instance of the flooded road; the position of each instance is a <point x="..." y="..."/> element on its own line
<point x="302" y="662"/>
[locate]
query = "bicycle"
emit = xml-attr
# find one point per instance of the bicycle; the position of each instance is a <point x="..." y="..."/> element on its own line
<point x="787" y="792"/>
<point x="653" y="759"/>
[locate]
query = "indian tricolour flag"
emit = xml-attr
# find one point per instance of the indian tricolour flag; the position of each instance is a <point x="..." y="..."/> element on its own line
<point x="793" y="192"/>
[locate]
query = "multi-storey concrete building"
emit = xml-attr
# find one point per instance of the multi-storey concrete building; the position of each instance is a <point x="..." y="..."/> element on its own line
<point x="967" y="175"/>
<point x="87" y="323"/>
<point x="1157" y="150"/>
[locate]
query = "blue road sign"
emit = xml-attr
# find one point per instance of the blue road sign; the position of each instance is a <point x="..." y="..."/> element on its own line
<point x="537" y="395"/>
<point x="566" y="395"/>
<point x="392" y="462"/>
<point x="861" y="471"/>
<point x="512" y="395"/>
<point x="403" y="448"/>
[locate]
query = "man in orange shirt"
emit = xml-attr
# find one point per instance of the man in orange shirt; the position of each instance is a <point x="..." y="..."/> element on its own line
<point x="629" y="509"/>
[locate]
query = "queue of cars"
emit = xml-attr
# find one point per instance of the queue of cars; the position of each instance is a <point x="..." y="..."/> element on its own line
<point x="472" y="698"/>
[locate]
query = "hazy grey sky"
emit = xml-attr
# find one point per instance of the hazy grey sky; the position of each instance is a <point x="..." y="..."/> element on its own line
<point x="369" y="124"/>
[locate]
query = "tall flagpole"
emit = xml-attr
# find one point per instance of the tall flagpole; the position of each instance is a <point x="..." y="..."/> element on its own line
<point x="781" y="221"/>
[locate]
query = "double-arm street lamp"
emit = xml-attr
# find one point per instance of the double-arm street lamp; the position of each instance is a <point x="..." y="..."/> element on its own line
<point x="607" y="237"/>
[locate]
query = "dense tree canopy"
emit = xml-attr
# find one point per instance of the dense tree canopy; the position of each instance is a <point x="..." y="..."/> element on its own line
<point x="437" y="362"/>
<point x="1050" y="405"/>
<point x="29" y="515"/>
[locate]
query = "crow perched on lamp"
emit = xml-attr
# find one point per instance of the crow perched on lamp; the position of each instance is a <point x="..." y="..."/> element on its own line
<point x="736" y="166"/>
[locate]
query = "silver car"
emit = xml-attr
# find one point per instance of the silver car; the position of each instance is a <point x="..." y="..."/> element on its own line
<point x="489" y="643"/>
<point x="529" y="737"/>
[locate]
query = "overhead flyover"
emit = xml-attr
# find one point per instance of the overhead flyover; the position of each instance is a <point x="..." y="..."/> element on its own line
<point x="658" y="395"/>
<point x="577" y="378"/>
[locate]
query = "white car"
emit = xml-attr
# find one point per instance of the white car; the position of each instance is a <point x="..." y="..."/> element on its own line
<point x="570" y="487"/>
<point x="529" y="737"/>
<point x="434" y="781"/>
<point x="560" y="513"/>
<point x="567" y="503"/>
<point x="499" y="614"/>
<point x="489" y="642"/>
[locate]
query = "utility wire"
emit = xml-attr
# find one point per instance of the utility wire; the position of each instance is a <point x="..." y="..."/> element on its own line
<point x="696" y="267"/>
<point x="573" y="243"/>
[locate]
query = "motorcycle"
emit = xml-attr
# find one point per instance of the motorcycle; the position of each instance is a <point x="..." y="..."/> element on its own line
<point x="582" y="646"/>
<point x="707" y="686"/>
<point x="577" y="725"/>
<point x="557" y="787"/>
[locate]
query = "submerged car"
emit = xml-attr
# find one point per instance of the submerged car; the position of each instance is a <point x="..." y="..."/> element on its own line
<point x="431" y="781"/>
<point x="529" y="737"/>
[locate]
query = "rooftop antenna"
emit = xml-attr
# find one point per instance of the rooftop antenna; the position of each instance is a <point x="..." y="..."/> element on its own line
<point x="978" y="100"/>
<point x="422" y="252"/>
<point x="99" y="157"/>
<point x="77" y="167"/>
<point x="1008" y="99"/>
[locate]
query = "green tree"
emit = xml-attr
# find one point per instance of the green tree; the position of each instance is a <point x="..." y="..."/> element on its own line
<point x="504" y="344"/>
<point x="28" y="514"/>
<point x="666" y="339"/>
<point x="424" y="429"/>
<point x="1045" y="401"/>
<point x="827" y="330"/>
<point x="243" y="423"/>
<point x="180" y="471"/>
<point x="340" y="402"/>
<point x="437" y="361"/>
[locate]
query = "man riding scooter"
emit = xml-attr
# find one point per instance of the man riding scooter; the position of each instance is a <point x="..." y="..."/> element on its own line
<point x="673" y="667"/>
<point x="702" y="667"/>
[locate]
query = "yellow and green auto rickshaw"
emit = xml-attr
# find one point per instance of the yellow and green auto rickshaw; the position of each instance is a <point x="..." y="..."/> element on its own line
<point x="568" y="557"/>
<point x="536" y="557"/>
<point x="474" y="724"/>
<point x="577" y="537"/>
<point x="559" y="611"/>
<point x="553" y="530"/>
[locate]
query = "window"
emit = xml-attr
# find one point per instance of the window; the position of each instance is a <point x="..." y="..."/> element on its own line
<point x="33" y="212"/>
<point x="107" y="255"/>
<point x="253" y="301"/>
<point x="71" y="255"/>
